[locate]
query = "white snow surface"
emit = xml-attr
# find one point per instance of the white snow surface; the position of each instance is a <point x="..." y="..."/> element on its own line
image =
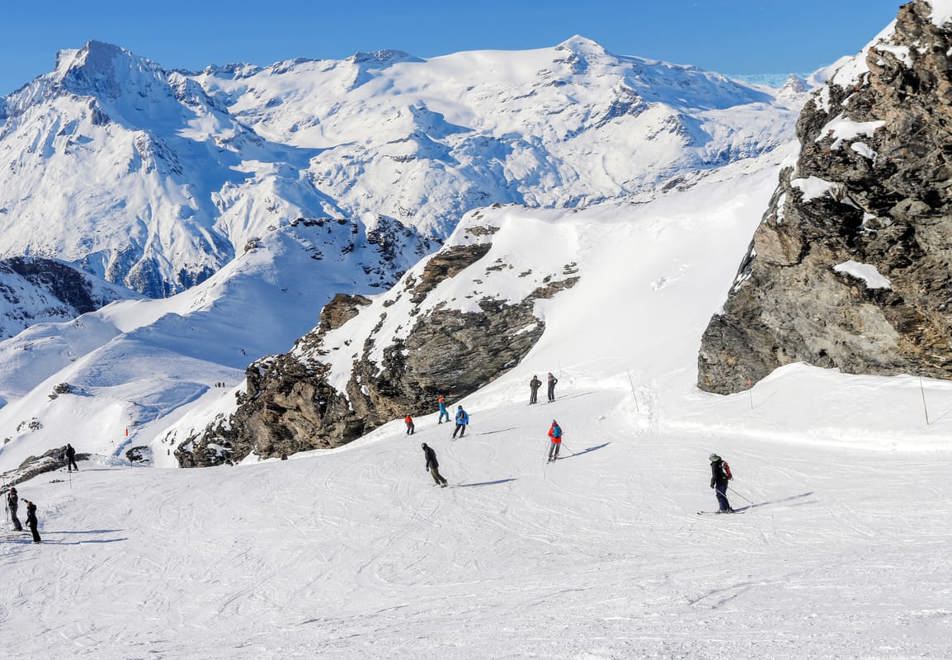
<point x="813" y="187"/>
<point x="868" y="273"/>
<point x="353" y="553"/>
<point x="155" y="179"/>
<point x="139" y="365"/>
<point x="841" y="129"/>
<point x="26" y="300"/>
<point x="941" y="11"/>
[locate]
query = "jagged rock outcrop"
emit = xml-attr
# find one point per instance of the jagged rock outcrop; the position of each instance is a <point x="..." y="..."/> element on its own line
<point x="340" y="310"/>
<point x="54" y="459"/>
<point x="852" y="265"/>
<point x="36" y="290"/>
<point x="291" y="403"/>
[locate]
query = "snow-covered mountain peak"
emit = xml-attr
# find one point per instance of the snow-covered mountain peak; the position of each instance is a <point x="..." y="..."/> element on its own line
<point x="179" y="170"/>
<point x="583" y="47"/>
<point x="383" y="57"/>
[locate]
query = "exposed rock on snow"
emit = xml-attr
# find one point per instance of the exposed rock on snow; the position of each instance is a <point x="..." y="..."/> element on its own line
<point x="155" y="179"/>
<point x="294" y="402"/>
<point x="54" y="459"/>
<point x="888" y="210"/>
<point x="35" y="290"/>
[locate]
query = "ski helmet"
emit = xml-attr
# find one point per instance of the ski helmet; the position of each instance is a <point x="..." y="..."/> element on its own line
<point x="713" y="457"/>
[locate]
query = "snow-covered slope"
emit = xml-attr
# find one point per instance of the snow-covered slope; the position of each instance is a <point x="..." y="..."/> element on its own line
<point x="138" y="176"/>
<point x="42" y="290"/>
<point x="133" y="364"/>
<point x="562" y="126"/>
<point x="156" y="179"/>
<point x="841" y="550"/>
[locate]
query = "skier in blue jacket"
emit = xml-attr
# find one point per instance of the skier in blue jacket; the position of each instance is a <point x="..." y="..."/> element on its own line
<point x="462" y="421"/>
<point x="441" y="403"/>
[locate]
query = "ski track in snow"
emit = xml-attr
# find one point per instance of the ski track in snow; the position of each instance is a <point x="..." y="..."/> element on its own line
<point x="354" y="554"/>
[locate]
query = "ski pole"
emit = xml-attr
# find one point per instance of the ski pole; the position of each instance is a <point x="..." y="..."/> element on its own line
<point x="739" y="495"/>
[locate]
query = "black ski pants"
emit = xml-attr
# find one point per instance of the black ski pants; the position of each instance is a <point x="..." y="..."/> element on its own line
<point x="720" y="490"/>
<point x="71" y="464"/>
<point x="13" y="518"/>
<point x="551" y="392"/>
<point x="461" y="429"/>
<point x="437" y="477"/>
<point x="36" y="534"/>
<point x="534" y="396"/>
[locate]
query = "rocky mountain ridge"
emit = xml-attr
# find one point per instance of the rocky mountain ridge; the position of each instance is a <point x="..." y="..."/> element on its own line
<point x="35" y="290"/>
<point x="850" y="268"/>
<point x="164" y="176"/>
<point x="370" y="361"/>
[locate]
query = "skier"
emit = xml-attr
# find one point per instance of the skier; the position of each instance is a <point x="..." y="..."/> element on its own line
<point x="462" y="421"/>
<point x="552" y="381"/>
<point x="31" y="520"/>
<point x="410" y="428"/>
<point x="555" y="435"/>
<point x="12" y="504"/>
<point x="441" y="402"/>
<point x="70" y="456"/>
<point x="534" y="386"/>
<point x="720" y="476"/>
<point x="433" y="466"/>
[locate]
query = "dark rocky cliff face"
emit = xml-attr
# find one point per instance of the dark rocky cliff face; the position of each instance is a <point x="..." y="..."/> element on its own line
<point x="289" y="405"/>
<point x="33" y="289"/>
<point x="872" y="186"/>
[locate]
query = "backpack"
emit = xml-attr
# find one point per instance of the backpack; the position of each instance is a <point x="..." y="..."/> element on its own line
<point x="727" y="470"/>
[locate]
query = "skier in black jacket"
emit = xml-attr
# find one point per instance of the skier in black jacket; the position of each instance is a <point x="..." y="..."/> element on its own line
<point x="720" y="476"/>
<point x="70" y="458"/>
<point x="534" y="386"/>
<point x="13" y="501"/>
<point x="432" y="465"/>
<point x="31" y="520"/>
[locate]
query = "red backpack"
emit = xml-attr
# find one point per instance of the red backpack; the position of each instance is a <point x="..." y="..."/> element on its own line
<point x="727" y="470"/>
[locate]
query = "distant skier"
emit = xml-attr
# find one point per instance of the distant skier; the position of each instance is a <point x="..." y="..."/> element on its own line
<point x="552" y="380"/>
<point x="409" y="422"/>
<point x="441" y="402"/>
<point x="555" y="435"/>
<point x="70" y="455"/>
<point x="433" y="466"/>
<point x="31" y="520"/>
<point x="13" y="502"/>
<point x="534" y="386"/>
<point x="720" y="476"/>
<point x="462" y="421"/>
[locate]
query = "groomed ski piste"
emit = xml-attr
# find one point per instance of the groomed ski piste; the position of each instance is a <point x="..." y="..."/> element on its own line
<point x="842" y="550"/>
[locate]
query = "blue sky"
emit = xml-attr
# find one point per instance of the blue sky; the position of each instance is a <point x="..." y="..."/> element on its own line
<point x="731" y="36"/>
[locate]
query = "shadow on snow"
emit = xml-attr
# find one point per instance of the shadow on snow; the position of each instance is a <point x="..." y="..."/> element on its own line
<point x="488" y="483"/>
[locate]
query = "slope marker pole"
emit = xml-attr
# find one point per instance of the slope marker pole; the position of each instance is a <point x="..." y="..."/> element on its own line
<point x="925" y="409"/>
<point x="633" y="394"/>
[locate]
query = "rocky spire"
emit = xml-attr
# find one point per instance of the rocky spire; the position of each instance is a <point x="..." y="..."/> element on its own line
<point x="851" y="266"/>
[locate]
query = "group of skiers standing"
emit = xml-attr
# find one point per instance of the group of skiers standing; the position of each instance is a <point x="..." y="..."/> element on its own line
<point x="13" y="504"/>
<point x="535" y="384"/>
<point x="13" y="499"/>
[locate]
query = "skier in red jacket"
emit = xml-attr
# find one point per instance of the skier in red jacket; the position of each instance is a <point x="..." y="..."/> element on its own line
<point x="555" y="435"/>
<point x="410" y="427"/>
